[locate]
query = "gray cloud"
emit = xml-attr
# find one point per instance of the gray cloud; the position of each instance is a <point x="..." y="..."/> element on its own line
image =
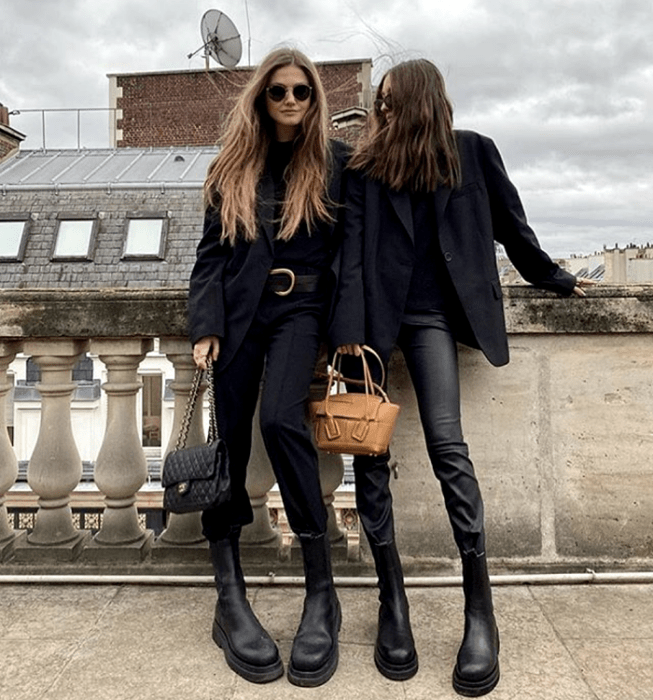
<point x="564" y="87"/>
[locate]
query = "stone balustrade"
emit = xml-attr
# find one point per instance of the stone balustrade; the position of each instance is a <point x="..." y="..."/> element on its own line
<point x="561" y="439"/>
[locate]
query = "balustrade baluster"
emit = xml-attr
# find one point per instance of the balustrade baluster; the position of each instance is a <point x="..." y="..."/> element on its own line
<point x="260" y="479"/>
<point x="121" y="466"/>
<point x="332" y="470"/>
<point x="183" y="534"/>
<point x="8" y="461"/>
<point x="55" y="467"/>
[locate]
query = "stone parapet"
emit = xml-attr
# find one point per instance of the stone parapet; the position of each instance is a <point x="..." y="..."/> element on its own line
<point x="561" y="437"/>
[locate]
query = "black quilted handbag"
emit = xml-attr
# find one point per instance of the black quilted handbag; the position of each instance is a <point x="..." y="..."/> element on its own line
<point x="197" y="478"/>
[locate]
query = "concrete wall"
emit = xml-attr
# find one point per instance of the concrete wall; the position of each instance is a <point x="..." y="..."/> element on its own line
<point x="561" y="438"/>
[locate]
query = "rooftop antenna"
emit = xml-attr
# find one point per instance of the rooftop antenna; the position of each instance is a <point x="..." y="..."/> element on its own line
<point x="221" y="39"/>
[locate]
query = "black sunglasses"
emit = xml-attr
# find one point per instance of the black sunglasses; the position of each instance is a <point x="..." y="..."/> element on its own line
<point x="300" y="92"/>
<point x="387" y="101"/>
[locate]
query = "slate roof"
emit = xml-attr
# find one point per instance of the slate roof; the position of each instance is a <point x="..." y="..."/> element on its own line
<point x="122" y="167"/>
<point x="110" y="186"/>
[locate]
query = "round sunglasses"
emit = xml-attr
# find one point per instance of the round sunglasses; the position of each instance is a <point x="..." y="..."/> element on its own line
<point x="387" y="101"/>
<point x="300" y="92"/>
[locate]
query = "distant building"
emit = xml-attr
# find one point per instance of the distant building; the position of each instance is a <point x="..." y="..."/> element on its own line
<point x="108" y="218"/>
<point x="9" y="138"/>
<point x="630" y="265"/>
<point x="189" y="108"/>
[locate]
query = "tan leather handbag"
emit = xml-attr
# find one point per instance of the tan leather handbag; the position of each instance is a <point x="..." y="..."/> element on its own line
<point x="354" y="423"/>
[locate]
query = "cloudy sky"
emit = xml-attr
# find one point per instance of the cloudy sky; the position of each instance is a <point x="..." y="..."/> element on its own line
<point x="564" y="87"/>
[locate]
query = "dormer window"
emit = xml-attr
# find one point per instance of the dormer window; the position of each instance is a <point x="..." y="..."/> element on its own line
<point x="145" y="236"/>
<point x="75" y="238"/>
<point x="13" y="238"/>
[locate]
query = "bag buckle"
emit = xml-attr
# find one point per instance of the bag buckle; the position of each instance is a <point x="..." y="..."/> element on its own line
<point x="291" y="278"/>
<point x="361" y="430"/>
<point x="332" y="428"/>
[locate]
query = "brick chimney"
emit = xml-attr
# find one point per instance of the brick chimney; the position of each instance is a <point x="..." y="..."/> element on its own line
<point x="9" y="138"/>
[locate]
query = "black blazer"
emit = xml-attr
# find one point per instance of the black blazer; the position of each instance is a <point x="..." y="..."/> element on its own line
<point x="484" y="209"/>
<point x="227" y="281"/>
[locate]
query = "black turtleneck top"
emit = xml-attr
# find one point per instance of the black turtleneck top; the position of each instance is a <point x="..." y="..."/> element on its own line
<point x="303" y="253"/>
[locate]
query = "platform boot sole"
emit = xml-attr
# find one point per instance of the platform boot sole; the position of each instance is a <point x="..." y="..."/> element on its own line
<point x="254" y="674"/>
<point x="474" y="689"/>
<point x="395" y="672"/>
<point x="319" y="676"/>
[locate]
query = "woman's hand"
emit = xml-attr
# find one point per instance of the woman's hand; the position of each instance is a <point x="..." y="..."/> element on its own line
<point x="582" y="282"/>
<point x="208" y="346"/>
<point x="351" y="349"/>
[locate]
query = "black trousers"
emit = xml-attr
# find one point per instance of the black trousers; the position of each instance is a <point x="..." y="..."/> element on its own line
<point x="281" y="348"/>
<point x="432" y="359"/>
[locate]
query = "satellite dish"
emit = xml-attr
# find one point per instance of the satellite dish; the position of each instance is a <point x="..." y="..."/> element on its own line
<point x="221" y="38"/>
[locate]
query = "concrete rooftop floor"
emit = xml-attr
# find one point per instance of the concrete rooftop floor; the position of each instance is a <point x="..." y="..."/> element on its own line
<point x="69" y="642"/>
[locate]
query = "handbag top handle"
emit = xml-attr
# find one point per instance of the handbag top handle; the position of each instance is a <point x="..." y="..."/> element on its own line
<point x="371" y="388"/>
<point x="336" y="364"/>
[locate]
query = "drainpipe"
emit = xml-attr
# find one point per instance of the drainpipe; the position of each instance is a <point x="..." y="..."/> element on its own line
<point x="589" y="577"/>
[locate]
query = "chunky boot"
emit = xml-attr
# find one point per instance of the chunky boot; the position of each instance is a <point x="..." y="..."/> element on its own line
<point x="248" y="648"/>
<point x="314" y="656"/>
<point x="477" y="667"/>
<point x="394" y="652"/>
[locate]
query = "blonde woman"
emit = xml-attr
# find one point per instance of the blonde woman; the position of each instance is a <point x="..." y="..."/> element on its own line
<point x="269" y="280"/>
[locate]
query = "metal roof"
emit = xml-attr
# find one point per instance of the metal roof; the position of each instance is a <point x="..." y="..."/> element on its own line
<point x="119" y="168"/>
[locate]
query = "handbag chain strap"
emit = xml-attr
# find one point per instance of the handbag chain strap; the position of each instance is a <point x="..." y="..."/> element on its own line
<point x="190" y="407"/>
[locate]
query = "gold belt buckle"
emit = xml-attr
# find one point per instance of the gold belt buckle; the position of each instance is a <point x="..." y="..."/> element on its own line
<point x="291" y="277"/>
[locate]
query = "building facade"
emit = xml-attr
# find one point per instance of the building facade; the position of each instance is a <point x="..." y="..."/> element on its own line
<point x="189" y="108"/>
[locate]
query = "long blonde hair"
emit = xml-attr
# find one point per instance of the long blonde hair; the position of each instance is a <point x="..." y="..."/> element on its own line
<point x="233" y="176"/>
<point x="417" y="147"/>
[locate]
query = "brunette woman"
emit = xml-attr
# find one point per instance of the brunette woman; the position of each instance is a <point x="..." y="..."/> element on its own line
<point x="431" y="202"/>
<point x="261" y="293"/>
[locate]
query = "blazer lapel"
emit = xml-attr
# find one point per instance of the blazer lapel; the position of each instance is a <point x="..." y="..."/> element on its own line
<point x="401" y="203"/>
<point x="440" y="199"/>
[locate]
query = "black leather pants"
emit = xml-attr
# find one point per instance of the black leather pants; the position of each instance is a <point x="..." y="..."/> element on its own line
<point x="432" y="360"/>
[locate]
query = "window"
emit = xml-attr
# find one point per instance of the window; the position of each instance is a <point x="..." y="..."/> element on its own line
<point x="32" y="372"/>
<point x="12" y="239"/>
<point x="9" y="415"/>
<point x="74" y="239"/>
<point x="145" y="236"/>
<point x="152" y="395"/>
<point x="83" y="370"/>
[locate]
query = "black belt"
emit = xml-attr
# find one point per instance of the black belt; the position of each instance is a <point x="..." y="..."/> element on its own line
<point x="283" y="281"/>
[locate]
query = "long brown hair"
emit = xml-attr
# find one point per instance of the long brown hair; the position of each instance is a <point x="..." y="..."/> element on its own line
<point x="417" y="147"/>
<point x="234" y="174"/>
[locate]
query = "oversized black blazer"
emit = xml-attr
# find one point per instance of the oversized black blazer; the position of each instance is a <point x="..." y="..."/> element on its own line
<point x="469" y="219"/>
<point x="227" y="281"/>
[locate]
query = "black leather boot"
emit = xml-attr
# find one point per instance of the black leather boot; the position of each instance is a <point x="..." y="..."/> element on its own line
<point x="248" y="648"/>
<point x="314" y="655"/>
<point x="394" y="652"/>
<point x="477" y="667"/>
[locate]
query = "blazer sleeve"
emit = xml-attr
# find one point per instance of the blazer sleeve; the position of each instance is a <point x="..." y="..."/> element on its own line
<point x="206" y="307"/>
<point x="348" y="313"/>
<point x="512" y="230"/>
